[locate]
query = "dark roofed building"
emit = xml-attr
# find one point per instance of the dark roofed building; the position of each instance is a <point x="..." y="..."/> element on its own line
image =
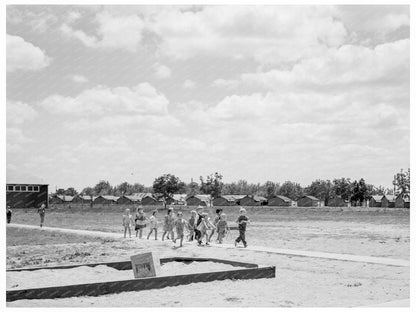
<point x="337" y="201"/>
<point x="26" y="195"/>
<point x="61" y="199"/>
<point x="308" y="201"/>
<point x="85" y="199"/>
<point x="128" y="200"/>
<point x="250" y="200"/>
<point x="227" y="200"/>
<point x="106" y="199"/>
<point x="375" y="201"/>
<point x="388" y="201"/>
<point x="402" y="201"/>
<point x="280" y="200"/>
<point x="199" y="200"/>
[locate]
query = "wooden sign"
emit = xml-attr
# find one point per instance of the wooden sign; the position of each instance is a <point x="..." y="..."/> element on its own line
<point x="145" y="265"/>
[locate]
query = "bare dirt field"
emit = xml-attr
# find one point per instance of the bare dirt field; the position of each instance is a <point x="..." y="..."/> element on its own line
<point x="300" y="281"/>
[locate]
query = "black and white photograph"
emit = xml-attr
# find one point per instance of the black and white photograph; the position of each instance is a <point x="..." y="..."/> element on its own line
<point x="207" y="155"/>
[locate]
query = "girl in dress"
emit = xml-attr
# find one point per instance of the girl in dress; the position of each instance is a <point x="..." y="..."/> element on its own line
<point x="168" y="224"/>
<point x="153" y="225"/>
<point x="127" y="222"/>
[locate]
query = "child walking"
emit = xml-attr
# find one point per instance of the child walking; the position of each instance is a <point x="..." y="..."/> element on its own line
<point x="199" y="218"/>
<point x="180" y="225"/>
<point x="216" y="219"/>
<point x="210" y="228"/>
<point x="140" y="222"/>
<point x="242" y="221"/>
<point x="153" y="224"/>
<point x="203" y="229"/>
<point x="127" y="222"/>
<point x="192" y="225"/>
<point x="41" y="211"/>
<point x="8" y="214"/>
<point x="222" y="228"/>
<point x="168" y="224"/>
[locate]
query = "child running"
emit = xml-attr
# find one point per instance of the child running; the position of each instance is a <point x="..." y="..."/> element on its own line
<point x="168" y="224"/>
<point x="216" y="219"/>
<point x="222" y="228"/>
<point x="140" y="222"/>
<point x="242" y="221"/>
<point x="153" y="225"/>
<point x="180" y="225"/>
<point x="203" y="229"/>
<point x="210" y="229"/>
<point x="192" y="225"/>
<point x="127" y="222"/>
<point x="199" y="218"/>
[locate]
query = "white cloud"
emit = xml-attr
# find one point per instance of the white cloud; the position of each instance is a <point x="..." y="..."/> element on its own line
<point x="19" y="112"/>
<point x="114" y="32"/>
<point x="267" y="34"/>
<point x="73" y="16"/>
<point x="189" y="84"/>
<point x="89" y="41"/>
<point x="372" y="23"/>
<point x="161" y="71"/>
<point x="37" y="20"/>
<point x="142" y="99"/>
<point x="226" y="83"/>
<point x="78" y="78"/>
<point x="349" y="64"/>
<point x="16" y="140"/>
<point x="22" y="55"/>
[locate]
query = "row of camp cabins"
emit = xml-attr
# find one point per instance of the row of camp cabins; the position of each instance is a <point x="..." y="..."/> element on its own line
<point x="146" y="199"/>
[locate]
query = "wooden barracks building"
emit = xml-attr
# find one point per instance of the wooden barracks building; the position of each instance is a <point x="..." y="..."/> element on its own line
<point x="26" y="195"/>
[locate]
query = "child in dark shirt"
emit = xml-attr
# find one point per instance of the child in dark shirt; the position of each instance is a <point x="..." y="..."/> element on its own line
<point x="242" y="221"/>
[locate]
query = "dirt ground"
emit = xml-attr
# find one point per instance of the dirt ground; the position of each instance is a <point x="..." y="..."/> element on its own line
<point x="299" y="282"/>
<point x="381" y="234"/>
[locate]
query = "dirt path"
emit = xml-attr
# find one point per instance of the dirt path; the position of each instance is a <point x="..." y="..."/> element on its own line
<point x="290" y="252"/>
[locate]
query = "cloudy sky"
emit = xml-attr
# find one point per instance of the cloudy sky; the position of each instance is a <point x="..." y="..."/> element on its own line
<point x="127" y="93"/>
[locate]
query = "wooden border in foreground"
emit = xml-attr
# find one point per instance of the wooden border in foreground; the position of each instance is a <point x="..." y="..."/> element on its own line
<point x="252" y="271"/>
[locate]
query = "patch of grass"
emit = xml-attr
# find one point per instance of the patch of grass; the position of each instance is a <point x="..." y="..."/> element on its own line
<point x="21" y="236"/>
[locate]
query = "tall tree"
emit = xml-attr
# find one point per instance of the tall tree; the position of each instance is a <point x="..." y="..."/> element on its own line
<point x="291" y="190"/>
<point x="88" y="191"/>
<point x="401" y="182"/>
<point x="102" y="188"/>
<point x="212" y="186"/>
<point x="167" y="185"/>
<point x="360" y="192"/>
<point x="269" y="189"/>
<point x="192" y="188"/>
<point x="70" y="191"/>
<point x="60" y="191"/>
<point x="342" y="187"/>
<point x="139" y="188"/>
<point x="124" y="188"/>
<point x="320" y="189"/>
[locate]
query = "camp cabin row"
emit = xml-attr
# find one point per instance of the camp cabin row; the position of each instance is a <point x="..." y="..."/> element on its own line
<point x="390" y="201"/>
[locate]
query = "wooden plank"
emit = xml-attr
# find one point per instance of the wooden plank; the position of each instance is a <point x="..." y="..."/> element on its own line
<point x="126" y="265"/>
<point x="99" y="289"/>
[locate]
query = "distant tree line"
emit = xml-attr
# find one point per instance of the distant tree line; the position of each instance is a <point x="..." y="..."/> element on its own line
<point x="168" y="184"/>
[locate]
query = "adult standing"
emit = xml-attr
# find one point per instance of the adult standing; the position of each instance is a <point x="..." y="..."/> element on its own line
<point x="41" y="211"/>
<point x="9" y="214"/>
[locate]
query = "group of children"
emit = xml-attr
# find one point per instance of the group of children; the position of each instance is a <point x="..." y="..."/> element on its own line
<point x="199" y="226"/>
